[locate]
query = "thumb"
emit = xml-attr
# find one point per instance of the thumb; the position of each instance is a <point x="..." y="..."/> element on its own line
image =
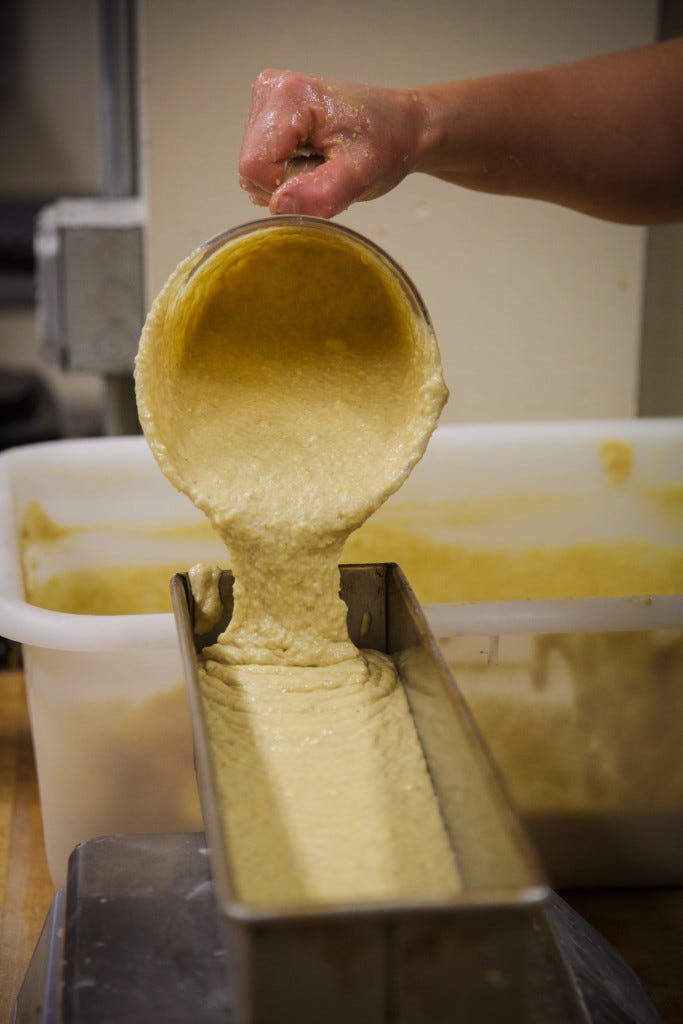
<point x="323" y="192"/>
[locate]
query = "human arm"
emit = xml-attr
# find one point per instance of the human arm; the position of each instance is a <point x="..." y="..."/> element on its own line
<point x="603" y="136"/>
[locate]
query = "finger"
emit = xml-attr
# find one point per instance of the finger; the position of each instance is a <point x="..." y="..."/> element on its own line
<point x="257" y="195"/>
<point x="260" y="173"/>
<point x="323" y="192"/>
<point x="278" y="122"/>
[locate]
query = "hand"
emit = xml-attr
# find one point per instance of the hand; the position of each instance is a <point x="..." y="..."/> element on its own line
<point x="367" y="136"/>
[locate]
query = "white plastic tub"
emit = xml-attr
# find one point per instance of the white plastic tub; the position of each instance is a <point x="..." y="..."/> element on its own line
<point x="580" y="700"/>
<point x="106" y="694"/>
<point x="590" y="753"/>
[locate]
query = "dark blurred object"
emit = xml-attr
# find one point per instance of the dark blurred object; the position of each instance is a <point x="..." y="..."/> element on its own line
<point x="10" y="655"/>
<point x="17" y="262"/>
<point x="28" y="409"/>
<point x="8" y="46"/>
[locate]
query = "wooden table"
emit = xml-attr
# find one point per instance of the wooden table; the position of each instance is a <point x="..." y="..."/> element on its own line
<point x="25" y="885"/>
<point x="644" y="925"/>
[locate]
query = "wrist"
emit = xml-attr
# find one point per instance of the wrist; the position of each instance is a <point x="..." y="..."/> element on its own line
<point x="439" y="117"/>
<point x="470" y="129"/>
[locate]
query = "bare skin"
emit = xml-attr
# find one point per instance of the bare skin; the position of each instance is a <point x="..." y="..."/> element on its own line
<point x="602" y="136"/>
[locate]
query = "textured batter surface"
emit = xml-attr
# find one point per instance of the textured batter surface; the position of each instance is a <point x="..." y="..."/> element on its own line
<point x="288" y="385"/>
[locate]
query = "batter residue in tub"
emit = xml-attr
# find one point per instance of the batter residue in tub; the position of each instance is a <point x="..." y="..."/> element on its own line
<point x="109" y="568"/>
<point x="586" y="729"/>
<point x="617" y="459"/>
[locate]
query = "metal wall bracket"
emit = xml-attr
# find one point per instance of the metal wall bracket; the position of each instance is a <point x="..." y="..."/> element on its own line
<point x="90" y="292"/>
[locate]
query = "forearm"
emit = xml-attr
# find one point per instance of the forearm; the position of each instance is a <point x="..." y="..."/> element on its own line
<point x="603" y="136"/>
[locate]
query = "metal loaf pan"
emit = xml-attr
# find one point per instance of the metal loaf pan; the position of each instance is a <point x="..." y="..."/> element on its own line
<point x="488" y="954"/>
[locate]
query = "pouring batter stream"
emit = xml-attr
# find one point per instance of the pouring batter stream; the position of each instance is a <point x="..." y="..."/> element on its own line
<point x="288" y="380"/>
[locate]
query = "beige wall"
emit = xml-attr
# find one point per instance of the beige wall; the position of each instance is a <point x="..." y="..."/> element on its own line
<point x="537" y="309"/>
<point x="661" y="364"/>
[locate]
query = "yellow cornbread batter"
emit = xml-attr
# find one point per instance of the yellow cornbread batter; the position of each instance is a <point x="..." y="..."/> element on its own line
<point x="288" y="384"/>
<point x="428" y="539"/>
<point x="445" y="571"/>
<point x="97" y="581"/>
<point x="117" y="590"/>
<point x="324" y="783"/>
<point x="616" y="457"/>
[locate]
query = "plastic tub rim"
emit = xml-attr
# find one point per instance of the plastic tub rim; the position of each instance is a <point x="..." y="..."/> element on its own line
<point x="38" y="627"/>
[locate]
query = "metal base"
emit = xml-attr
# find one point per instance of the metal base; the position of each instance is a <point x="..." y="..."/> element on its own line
<point x="135" y="938"/>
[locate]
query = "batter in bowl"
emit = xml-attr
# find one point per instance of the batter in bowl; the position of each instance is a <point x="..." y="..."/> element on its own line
<point x="288" y="380"/>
